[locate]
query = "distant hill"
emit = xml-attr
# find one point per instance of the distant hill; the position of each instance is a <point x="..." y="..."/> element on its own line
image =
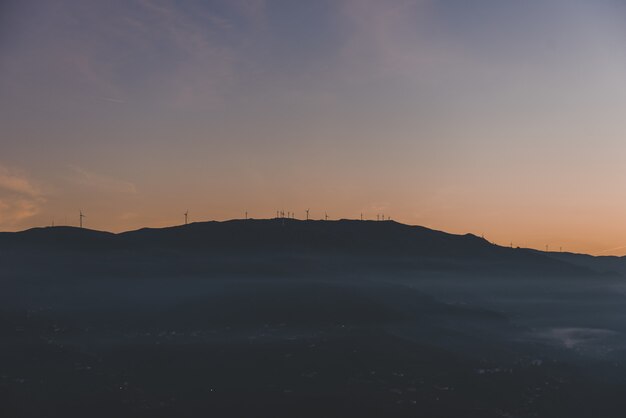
<point x="599" y="263"/>
<point x="383" y="245"/>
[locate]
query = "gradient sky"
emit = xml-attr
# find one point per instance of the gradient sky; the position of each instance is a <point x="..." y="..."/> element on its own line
<point x="498" y="117"/>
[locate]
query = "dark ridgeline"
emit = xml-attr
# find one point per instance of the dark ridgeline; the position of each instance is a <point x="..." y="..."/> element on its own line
<point x="272" y="235"/>
<point x="319" y="237"/>
<point x="349" y="239"/>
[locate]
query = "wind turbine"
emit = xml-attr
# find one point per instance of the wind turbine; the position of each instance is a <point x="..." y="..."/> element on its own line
<point x="186" y="216"/>
<point x="81" y="216"/>
<point x="325" y="216"/>
<point x="307" y="214"/>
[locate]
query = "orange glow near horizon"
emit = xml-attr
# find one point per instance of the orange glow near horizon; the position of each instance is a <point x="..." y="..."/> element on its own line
<point x="533" y="234"/>
<point x="449" y="115"/>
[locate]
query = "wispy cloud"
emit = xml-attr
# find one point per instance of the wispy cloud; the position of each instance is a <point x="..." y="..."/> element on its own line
<point x="185" y="56"/>
<point x="92" y="180"/>
<point x="20" y="198"/>
<point x="12" y="182"/>
<point x="204" y="67"/>
<point x="146" y="50"/>
<point x="396" y="39"/>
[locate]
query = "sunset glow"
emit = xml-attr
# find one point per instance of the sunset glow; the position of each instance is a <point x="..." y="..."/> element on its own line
<point x="498" y="118"/>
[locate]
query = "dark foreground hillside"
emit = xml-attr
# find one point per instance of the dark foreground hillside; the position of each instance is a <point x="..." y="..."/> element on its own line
<point x="303" y="319"/>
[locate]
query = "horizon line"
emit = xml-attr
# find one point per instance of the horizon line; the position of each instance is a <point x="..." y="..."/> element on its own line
<point x="389" y="220"/>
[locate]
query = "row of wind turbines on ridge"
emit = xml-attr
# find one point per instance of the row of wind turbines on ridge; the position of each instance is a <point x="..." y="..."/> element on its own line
<point x="280" y="214"/>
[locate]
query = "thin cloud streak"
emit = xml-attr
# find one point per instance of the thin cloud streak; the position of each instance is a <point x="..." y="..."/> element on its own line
<point x="100" y="182"/>
<point x="391" y="39"/>
<point x="20" y="198"/>
<point x="11" y="182"/>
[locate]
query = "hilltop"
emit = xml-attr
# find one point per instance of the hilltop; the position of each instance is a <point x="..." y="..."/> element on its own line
<point x="385" y="244"/>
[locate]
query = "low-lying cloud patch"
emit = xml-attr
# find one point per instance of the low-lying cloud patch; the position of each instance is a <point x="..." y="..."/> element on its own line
<point x="20" y="198"/>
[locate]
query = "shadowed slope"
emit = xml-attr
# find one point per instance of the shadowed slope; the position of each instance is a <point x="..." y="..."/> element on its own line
<point x="368" y="241"/>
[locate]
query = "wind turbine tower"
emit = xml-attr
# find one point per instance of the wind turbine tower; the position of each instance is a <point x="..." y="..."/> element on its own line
<point x="81" y="216"/>
<point x="186" y="216"/>
<point x="307" y="214"/>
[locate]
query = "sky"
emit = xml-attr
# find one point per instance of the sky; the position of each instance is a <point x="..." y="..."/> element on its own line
<point x="502" y="118"/>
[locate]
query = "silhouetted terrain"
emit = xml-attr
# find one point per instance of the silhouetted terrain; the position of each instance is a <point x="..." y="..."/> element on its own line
<point x="609" y="264"/>
<point x="287" y="318"/>
<point x="210" y="246"/>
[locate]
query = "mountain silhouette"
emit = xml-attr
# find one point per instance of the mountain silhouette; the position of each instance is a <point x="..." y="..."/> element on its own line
<point x="350" y="240"/>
